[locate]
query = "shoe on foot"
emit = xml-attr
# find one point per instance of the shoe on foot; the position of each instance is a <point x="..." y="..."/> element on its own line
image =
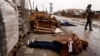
<point x="28" y="42"/>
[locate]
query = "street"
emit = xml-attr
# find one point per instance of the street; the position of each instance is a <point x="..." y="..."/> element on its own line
<point x="91" y="36"/>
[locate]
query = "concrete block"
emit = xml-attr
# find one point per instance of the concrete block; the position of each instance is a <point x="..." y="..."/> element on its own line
<point x="3" y="42"/>
<point x="3" y="53"/>
<point x="8" y="27"/>
<point x="3" y="49"/>
<point x="8" y="12"/>
<point x="0" y="53"/>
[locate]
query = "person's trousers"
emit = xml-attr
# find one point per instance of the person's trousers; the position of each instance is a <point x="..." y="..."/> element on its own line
<point x="88" y="23"/>
<point x="55" y="46"/>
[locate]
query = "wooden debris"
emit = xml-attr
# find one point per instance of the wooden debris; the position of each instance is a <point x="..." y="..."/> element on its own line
<point x="42" y="22"/>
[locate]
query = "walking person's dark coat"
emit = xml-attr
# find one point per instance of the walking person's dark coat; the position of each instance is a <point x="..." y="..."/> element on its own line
<point x="90" y="14"/>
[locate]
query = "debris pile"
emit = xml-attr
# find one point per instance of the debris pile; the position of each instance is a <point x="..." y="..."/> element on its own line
<point x="44" y="23"/>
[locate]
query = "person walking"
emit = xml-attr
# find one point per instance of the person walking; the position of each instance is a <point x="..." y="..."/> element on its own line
<point x="90" y="14"/>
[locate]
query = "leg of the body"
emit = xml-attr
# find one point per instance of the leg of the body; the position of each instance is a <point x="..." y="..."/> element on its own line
<point x="86" y="25"/>
<point x="45" y="45"/>
<point x="90" y="25"/>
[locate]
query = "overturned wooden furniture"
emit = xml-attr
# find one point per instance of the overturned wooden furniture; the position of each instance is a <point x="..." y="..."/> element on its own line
<point x="44" y="26"/>
<point x="43" y="23"/>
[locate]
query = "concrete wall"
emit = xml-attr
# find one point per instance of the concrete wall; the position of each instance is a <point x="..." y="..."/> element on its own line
<point x="9" y="29"/>
<point x="13" y="21"/>
<point x="24" y="26"/>
<point x="24" y="2"/>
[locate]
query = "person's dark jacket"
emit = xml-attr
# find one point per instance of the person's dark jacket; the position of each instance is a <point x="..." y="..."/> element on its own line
<point x="89" y="12"/>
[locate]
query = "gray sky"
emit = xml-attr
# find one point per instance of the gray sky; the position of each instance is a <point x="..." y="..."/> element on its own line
<point x="66" y="4"/>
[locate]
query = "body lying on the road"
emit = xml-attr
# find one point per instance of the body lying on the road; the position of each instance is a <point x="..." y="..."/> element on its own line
<point x="65" y="46"/>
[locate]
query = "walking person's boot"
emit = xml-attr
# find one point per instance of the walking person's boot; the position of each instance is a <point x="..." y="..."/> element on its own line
<point x="85" y="29"/>
<point x="91" y="29"/>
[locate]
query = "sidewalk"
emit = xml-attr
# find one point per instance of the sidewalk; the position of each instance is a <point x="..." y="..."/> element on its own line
<point x="26" y="51"/>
